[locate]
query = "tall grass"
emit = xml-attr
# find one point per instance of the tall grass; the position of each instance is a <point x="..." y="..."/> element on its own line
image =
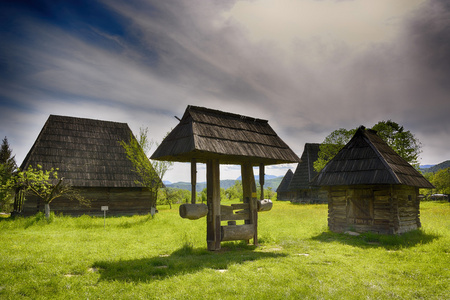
<point x="165" y="257"/>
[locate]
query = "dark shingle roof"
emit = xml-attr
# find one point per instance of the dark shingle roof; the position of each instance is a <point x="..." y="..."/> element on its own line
<point x="211" y="134"/>
<point x="305" y="172"/>
<point x="284" y="184"/>
<point x="367" y="159"/>
<point x="87" y="152"/>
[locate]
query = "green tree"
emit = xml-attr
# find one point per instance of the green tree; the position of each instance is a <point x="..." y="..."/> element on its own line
<point x="6" y="157"/>
<point x="332" y="144"/>
<point x="402" y="141"/>
<point x="46" y="185"/>
<point x="234" y="191"/>
<point x="7" y="169"/>
<point x="441" y="180"/>
<point x="151" y="172"/>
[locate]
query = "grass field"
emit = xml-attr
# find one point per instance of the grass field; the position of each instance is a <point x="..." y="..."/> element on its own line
<point x="166" y="258"/>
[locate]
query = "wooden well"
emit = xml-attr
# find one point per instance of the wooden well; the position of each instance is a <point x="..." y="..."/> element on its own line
<point x="214" y="137"/>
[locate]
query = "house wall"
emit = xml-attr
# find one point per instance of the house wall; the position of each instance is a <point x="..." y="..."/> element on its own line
<point x="313" y="196"/>
<point x="283" y="196"/>
<point x="120" y="201"/>
<point x="386" y="209"/>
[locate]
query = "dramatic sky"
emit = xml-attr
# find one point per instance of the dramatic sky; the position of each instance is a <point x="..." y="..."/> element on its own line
<point x="307" y="66"/>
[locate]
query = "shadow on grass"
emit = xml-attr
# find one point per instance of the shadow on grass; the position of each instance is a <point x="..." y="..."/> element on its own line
<point x="373" y="240"/>
<point x="185" y="260"/>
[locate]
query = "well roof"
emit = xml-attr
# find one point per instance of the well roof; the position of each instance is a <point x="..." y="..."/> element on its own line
<point x="305" y="172"/>
<point x="205" y="134"/>
<point x="284" y="184"/>
<point x="368" y="159"/>
<point x="87" y="152"/>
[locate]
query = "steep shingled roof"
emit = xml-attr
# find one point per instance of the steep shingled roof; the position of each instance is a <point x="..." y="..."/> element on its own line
<point x="211" y="134"/>
<point x="87" y="152"/>
<point x="367" y="159"/>
<point x="305" y="172"/>
<point x="284" y="184"/>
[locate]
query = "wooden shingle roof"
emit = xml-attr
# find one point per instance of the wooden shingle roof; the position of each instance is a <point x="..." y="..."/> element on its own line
<point x="284" y="184"/>
<point x="206" y="134"/>
<point x="87" y="152"/>
<point x="305" y="172"/>
<point x="367" y="159"/>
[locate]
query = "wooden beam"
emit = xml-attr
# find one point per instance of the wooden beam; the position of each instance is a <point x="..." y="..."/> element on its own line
<point x="213" y="234"/>
<point x="249" y="194"/>
<point x="193" y="180"/>
<point x="261" y="180"/>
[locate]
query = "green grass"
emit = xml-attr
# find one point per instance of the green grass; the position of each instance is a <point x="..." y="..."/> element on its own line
<point x="166" y="258"/>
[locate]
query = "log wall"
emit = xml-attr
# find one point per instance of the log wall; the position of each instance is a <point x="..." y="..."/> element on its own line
<point x="120" y="201"/>
<point x="308" y="196"/>
<point x="389" y="209"/>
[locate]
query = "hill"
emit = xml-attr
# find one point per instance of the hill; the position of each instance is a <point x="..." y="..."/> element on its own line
<point x="435" y="168"/>
<point x="271" y="181"/>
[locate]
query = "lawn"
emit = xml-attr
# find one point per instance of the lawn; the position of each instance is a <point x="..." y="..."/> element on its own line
<point x="165" y="257"/>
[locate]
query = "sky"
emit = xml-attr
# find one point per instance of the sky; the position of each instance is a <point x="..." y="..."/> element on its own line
<point x="307" y="66"/>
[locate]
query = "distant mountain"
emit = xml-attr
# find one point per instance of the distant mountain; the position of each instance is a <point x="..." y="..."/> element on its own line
<point x="435" y="168"/>
<point x="423" y="167"/>
<point x="266" y="177"/>
<point x="270" y="181"/>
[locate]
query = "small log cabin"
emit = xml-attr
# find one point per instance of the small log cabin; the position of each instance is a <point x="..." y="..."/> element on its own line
<point x="90" y="158"/>
<point x="215" y="137"/>
<point x="300" y="189"/>
<point x="371" y="188"/>
<point x="283" y="188"/>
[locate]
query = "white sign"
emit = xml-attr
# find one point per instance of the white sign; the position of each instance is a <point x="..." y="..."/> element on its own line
<point x="104" y="208"/>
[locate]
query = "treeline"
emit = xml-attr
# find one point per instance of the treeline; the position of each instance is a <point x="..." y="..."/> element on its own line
<point x="169" y="196"/>
<point x="441" y="180"/>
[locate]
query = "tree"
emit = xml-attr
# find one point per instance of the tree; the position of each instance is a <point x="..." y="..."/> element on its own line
<point x="151" y="172"/>
<point x="7" y="169"/>
<point x="46" y="185"/>
<point x="234" y="191"/>
<point x="441" y="180"/>
<point x="402" y="141"/>
<point x="332" y="144"/>
<point x="5" y="156"/>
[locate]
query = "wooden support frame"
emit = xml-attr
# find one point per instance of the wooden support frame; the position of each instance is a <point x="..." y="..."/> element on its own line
<point x="261" y="180"/>
<point x="249" y="193"/>
<point x="213" y="230"/>
<point x="193" y="180"/>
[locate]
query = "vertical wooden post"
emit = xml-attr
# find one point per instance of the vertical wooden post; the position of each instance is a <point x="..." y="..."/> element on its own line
<point x="249" y="193"/>
<point x="213" y="233"/>
<point x="261" y="180"/>
<point x="193" y="180"/>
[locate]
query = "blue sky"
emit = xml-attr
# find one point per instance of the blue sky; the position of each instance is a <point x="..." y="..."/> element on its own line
<point x="307" y="66"/>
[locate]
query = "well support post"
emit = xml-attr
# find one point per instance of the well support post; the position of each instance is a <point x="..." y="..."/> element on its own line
<point x="213" y="232"/>
<point x="249" y="193"/>
<point x="193" y="180"/>
<point x="261" y="180"/>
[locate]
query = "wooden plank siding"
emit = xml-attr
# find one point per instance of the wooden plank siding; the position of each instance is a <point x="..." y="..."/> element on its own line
<point x="120" y="201"/>
<point x="380" y="209"/>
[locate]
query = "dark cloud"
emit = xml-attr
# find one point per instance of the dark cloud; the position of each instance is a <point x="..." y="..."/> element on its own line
<point x="143" y="62"/>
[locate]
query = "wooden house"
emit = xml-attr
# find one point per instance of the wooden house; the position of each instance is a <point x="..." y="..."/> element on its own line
<point x="90" y="158"/>
<point x="215" y="137"/>
<point x="371" y="188"/>
<point x="300" y="189"/>
<point x="283" y="188"/>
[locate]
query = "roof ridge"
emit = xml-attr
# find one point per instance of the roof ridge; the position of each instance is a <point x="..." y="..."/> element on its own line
<point x="85" y="119"/>
<point x="223" y="113"/>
